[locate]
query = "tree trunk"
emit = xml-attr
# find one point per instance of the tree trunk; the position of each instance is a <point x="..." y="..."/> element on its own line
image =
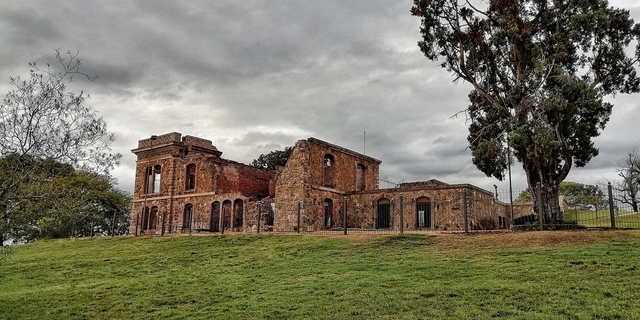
<point x="549" y="202"/>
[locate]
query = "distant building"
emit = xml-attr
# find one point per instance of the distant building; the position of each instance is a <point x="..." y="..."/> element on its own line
<point x="183" y="185"/>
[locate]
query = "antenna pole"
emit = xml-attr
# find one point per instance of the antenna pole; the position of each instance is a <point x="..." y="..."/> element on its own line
<point x="364" y="143"/>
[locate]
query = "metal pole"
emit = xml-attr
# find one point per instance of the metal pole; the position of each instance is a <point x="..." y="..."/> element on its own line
<point x="466" y="211"/>
<point x="190" y="220"/>
<point x="299" y="209"/>
<point x="344" y="218"/>
<point x="613" y="217"/>
<point x="401" y="215"/>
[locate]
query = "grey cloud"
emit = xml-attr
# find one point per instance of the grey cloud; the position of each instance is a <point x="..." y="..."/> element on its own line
<point x="254" y="76"/>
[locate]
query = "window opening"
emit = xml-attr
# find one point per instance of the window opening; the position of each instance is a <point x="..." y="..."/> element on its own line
<point x="156" y="178"/>
<point x="191" y="177"/>
<point x="329" y="165"/>
<point x="360" y="177"/>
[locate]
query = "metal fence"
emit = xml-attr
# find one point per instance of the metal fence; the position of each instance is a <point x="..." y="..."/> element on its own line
<point x="604" y="207"/>
<point x="610" y="208"/>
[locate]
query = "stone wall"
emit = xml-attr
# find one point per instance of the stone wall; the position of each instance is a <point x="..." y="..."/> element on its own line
<point x="308" y="182"/>
<point x="291" y="187"/>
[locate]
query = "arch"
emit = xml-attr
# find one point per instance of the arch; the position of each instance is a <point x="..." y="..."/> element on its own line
<point x="226" y="214"/>
<point x="383" y="220"/>
<point x="328" y="213"/>
<point x="238" y="214"/>
<point x="360" y="177"/>
<point x="153" y="218"/>
<point x="145" y="219"/>
<point x="328" y="173"/>
<point x="190" y="177"/>
<point x="187" y="216"/>
<point x="423" y="213"/>
<point x="214" y="222"/>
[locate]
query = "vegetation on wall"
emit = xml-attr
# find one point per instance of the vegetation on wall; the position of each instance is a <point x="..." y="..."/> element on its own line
<point x="273" y="159"/>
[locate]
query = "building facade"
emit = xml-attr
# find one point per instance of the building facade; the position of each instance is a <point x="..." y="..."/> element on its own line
<point x="184" y="185"/>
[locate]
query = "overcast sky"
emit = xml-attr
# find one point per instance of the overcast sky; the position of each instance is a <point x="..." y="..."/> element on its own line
<point x="254" y="76"/>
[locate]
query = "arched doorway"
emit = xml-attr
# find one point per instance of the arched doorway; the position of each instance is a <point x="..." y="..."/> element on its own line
<point x="423" y="213"/>
<point x="214" y="222"/>
<point x="226" y="214"/>
<point x="238" y="215"/>
<point x="383" y="220"/>
<point x="328" y="213"/>
<point x="187" y="217"/>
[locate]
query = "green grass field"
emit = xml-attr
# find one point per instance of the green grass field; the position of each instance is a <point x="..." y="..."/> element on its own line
<point x="534" y="275"/>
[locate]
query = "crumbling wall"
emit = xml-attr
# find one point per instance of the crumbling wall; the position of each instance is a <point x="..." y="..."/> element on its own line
<point x="292" y="187"/>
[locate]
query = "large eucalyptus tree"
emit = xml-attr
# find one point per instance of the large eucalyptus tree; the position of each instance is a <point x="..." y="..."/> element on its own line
<point x="540" y="70"/>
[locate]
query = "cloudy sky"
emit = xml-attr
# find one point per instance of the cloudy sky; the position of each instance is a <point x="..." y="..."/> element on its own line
<point x="254" y="76"/>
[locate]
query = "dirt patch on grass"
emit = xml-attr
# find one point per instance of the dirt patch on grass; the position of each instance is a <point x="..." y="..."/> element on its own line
<point x="537" y="239"/>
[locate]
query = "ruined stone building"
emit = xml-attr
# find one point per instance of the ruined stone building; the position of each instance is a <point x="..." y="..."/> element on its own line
<point x="183" y="185"/>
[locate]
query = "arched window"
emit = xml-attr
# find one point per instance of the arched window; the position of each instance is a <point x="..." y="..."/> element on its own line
<point x="187" y="217"/>
<point x="423" y="213"/>
<point x="328" y="213"/>
<point x="329" y="164"/>
<point x="190" y="179"/>
<point x="383" y="220"/>
<point x="360" y="184"/>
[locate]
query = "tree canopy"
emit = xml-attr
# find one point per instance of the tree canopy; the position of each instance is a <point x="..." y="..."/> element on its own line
<point x="539" y="70"/>
<point x="50" y="140"/>
<point x="273" y="159"/>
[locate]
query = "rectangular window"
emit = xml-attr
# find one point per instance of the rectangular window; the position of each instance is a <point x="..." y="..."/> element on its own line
<point x="191" y="177"/>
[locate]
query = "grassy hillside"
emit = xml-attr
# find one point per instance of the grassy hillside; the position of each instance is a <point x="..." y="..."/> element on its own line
<point x="539" y="275"/>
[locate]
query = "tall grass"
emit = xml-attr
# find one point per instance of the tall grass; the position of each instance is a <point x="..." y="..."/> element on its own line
<point x="292" y="276"/>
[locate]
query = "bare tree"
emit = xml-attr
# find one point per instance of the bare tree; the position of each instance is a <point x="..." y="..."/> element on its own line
<point x="628" y="188"/>
<point x="43" y="121"/>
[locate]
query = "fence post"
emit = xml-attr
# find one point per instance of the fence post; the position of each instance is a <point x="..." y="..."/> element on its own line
<point x="613" y="216"/>
<point x="299" y="208"/>
<point x="540" y="205"/>
<point x="466" y="211"/>
<point x="344" y="219"/>
<point x="401" y="215"/>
